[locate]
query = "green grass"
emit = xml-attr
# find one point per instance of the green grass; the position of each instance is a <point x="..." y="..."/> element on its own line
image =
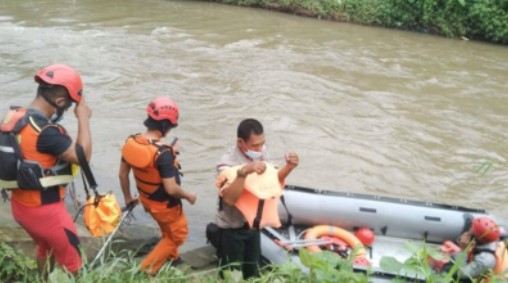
<point x="475" y="19"/>
<point x="323" y="267"/>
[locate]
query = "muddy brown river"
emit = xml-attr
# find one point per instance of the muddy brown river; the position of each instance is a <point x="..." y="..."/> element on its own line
<point x="369" y="110"/>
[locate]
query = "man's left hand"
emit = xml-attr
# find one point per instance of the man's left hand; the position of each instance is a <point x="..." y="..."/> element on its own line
<point x="292" y="159"/>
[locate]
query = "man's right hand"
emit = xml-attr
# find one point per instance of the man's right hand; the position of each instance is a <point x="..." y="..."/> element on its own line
<point x="465" y="239"/>
<point x="257" y="166"/>
<point x="129" y="200"/>
<point x="81" y="110"/>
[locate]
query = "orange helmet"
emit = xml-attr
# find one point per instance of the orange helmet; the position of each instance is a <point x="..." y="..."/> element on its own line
<point x="485" y="230"/>
<point x="163" y="108"/>
<point x="59" y="74"/>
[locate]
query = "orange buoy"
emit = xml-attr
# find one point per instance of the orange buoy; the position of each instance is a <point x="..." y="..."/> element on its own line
<point x="327" y="230"/>
<point x="365" y="235"/>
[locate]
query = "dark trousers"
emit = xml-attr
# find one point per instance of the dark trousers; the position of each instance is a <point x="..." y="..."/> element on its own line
<point x="240" y="249"/>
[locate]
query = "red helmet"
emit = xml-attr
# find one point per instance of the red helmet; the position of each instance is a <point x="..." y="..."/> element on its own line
<point x="485" y="230"/>
<point x="163" y="108"/>
<point x="59" y="74"/>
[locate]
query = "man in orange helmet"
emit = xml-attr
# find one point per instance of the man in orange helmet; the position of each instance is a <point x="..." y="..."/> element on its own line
<point x="157" y="175"/>
<point x="46" y="152"/>
<point x="484" y="252"/>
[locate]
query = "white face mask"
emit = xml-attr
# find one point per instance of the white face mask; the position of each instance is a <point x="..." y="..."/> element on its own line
<point x="254" y="155"/>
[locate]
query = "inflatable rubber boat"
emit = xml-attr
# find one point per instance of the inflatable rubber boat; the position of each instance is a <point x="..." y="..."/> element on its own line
<point x="315" y="219"/>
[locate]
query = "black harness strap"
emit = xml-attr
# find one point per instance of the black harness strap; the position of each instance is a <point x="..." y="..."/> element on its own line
<point x="15" y="146"/>
<point x="483" y="250"/>
<point x="88" y="178"/>
<point x="147" y="183"/>
<point x="221" y="202"/>
<point x="5" y="195"/>
<point x="259" y="214"/>
<point x="290" y="217"/>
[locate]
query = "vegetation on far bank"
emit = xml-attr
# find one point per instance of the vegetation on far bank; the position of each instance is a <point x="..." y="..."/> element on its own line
<point x="322" y="267"/>
<point x="485" y="20"/>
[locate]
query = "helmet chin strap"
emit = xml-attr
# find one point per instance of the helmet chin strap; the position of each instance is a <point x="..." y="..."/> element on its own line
<point x="59" y="110"/>
<point x="165" y="131"/>
<point x="165" y="127"/>
<point x="58" y="115"/>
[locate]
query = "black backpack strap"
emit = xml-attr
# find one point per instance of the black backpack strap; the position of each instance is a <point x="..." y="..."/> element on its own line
<point x="259" y="214"/>
<point x="15" y="146"/>
<point x="221" y="204"/>
<point x="483" y="250"/>
<point x="221" y="201"/>
<point x="88" y="178"/>
<point x="162" y="148"/>
<point x="5" y="195"/>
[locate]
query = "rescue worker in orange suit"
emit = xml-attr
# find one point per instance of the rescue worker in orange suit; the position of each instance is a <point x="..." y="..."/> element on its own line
<point x="240" y="246"/>
<point x="157" y="176"/>
<point x="42" y="213"/>
<point x="481" y="243"/>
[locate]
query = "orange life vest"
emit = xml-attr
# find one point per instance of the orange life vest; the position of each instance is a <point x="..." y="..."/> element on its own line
<point x="142" y="153"/>
<point x="501" y="259"/>
<point x="258" y="201"/>
<point x="27" y="138"/>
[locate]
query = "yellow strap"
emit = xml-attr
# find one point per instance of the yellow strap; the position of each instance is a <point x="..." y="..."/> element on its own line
<point x="74" y="169"/>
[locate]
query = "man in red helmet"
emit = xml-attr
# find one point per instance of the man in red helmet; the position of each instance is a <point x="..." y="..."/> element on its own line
<point x="156" y="171"/>
<point x="37" y="198"/>
<point x="484" y="252"/>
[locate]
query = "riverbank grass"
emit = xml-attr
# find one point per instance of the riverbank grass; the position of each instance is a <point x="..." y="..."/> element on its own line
<point x="485" y="20"/>
<point x="322" y="267"/>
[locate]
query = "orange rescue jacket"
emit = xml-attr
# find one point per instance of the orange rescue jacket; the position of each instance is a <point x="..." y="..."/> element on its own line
<point x="259" y="200"/>
<point x="142" y="153"/>
<point x="27" y="138"/>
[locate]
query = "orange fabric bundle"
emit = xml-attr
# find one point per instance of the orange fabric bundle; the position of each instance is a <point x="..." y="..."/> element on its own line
<point x="101" y="214"/>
